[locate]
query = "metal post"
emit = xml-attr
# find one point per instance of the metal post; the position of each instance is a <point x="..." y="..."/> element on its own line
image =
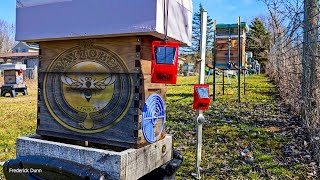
<point x="223" y="82"/>
<point x="229" y="46"/>
<point x="239" y="54"/>
<point x="214" y="74"/>
<point x="244" y="81"/>
<point x="214" y="52"/>
<point x="203" y="46"/>
<point x="200" y="118"/>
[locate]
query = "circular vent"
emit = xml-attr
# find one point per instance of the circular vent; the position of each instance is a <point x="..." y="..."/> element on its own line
<point x="153" y="118"/>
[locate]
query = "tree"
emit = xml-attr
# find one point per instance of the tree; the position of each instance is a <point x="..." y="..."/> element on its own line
<point x="6" y="36"/>
<point x="196" y="34"/>
<point x="258" y="41"/>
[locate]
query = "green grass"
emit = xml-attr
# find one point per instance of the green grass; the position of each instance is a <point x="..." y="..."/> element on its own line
<point x="230" y="128"/>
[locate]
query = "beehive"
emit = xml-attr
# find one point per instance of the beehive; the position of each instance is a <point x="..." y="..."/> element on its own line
<point x="223" y="33"/>
<point x="111" y="111"/>
<point x="95" y="80"/>
<point x="12" y="74"/>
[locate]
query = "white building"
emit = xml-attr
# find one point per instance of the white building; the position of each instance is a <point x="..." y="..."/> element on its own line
<point x="25" y="47"/>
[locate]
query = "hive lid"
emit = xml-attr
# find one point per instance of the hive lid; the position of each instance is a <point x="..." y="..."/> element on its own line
<point x="13" y="67"/>
<point x="46" y="20"/>
<point x="226" y="26"/>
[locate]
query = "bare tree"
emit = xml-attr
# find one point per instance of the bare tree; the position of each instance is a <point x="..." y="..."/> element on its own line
<point x="293" y="60"/>
<point x="6" y="36"/>
<point x="284" y="22"/>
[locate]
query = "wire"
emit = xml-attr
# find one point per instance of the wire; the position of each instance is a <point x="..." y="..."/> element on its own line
<point x="165" y="19"/>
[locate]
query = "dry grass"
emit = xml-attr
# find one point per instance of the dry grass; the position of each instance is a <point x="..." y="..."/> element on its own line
<point x="17" y="118"/>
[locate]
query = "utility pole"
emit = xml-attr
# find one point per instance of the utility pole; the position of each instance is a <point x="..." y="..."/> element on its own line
<point x="309" y="81"/>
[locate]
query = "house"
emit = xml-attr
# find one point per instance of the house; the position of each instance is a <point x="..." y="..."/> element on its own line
<point x="32" y="62"/>
<point x="23" y="53"/>
<point x="31" y="59"/>
<point x="25" y="47"/>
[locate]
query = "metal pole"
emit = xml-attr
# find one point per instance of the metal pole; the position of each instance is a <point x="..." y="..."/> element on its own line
<point x="203" y="46"/>
<point x="229" y="46"/>
<point x="214" y="52"/>
<point x="239" y="61"/>
<point x="200" y="118"/>
<point x="223" y="82"/>
<point x="244" y="81"/>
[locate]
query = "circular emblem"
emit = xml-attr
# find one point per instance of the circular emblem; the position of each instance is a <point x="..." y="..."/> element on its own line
<point x="87" y="88"/>
<point x="153" y="118"/>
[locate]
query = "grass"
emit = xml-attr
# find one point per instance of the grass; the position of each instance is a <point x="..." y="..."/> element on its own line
<point x="240" y="140"/>
<point x="255" y="126"/>
<point x="17" y="118"/>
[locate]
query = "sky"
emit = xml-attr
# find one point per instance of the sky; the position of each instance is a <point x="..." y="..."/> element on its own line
<point x="224" y="11"/>
<point x="228" y="11"/>
<point x="8" y="10"/>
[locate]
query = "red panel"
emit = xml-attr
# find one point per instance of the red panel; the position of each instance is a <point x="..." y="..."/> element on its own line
<point x="201" y="102"/>
<point x="164" y="73"/>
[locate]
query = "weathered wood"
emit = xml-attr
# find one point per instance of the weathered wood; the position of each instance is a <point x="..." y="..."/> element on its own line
<point x="225" y="33"/>
<point x="130" y="164"/>
<point x="146" y="54"/>
<point x="224" y="46"/>
<point x="94" y="90"/>
<point x="93" y="49"/>
<point x="222" y="50"/>
<point x="144" y="160"/>
<point x="10" y="76"/>
<point x="226" y="40"/>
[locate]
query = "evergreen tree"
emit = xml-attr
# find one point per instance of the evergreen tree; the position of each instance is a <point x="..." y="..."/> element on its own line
<point x="258" y="41"/>
<point x="196" y="34"/>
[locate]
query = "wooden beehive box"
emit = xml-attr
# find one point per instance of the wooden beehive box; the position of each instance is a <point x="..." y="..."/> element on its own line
<point x="95" y="90"/>
<point x="222" y="38"/>
<point x="12" y="74"/>
<point x="95" y="65"/>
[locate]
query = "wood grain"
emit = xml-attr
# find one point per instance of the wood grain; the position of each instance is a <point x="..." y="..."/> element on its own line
<point x="135" y="52"/>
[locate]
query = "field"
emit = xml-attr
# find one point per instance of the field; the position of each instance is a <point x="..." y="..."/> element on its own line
<point x="17" y="118"/>
<point x="255" y="139"/>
